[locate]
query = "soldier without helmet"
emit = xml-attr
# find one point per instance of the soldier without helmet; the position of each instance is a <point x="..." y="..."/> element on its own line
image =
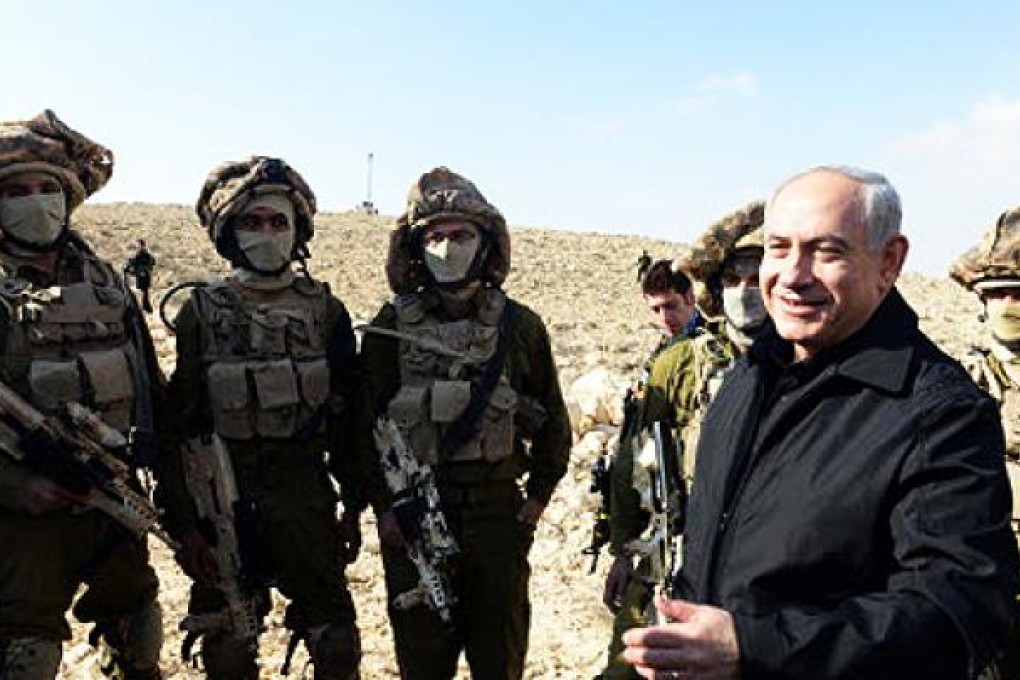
<point x="484" y="423"/>
<point x="70" y="331"/>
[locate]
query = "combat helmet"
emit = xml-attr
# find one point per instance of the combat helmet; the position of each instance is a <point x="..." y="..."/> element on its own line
<point x="229" y="188"/>
<point x="441" y="194"/>
<point x="703" y="260"/>
<point x="996" y="260"/>
<point x="46" y="144"/>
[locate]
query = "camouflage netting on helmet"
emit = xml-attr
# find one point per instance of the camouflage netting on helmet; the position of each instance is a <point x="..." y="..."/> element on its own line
<point x="46" y="144"/>
<point x="703" y="260"/>
<point x="438" y="195"/>
<point x="230" y="186"/>
<point x="996" y="257"/>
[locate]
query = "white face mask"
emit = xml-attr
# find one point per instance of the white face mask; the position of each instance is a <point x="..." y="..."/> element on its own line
<point x="744" y="306"/>
<point x="1004" y="320"/>
<point x="37" y="219"/>
<point x="266" y="252"/>
<point x="449" y="261"/>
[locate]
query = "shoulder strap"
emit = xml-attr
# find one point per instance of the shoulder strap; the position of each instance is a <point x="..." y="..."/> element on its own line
<point x="465" y="427"/>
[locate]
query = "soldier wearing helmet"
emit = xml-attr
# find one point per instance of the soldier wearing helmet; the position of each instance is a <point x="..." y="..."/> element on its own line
<point x="266" y="363"/>
<point x="70" y="330"/>
<point x="991" y="270"/>
<point x="722" y="265"/>
<point x="723" y="262"/>
<point x="484" y="421"/>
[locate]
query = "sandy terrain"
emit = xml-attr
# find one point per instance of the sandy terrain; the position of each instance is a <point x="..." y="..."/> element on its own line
<point x="583" y="286"/>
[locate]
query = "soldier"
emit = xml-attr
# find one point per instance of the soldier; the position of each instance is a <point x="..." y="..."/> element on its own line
<point x="724" y="262"/>
<point x="70" y="330"/>
<point x="483" y="421"/>
<point x="266" y="361"/>
<point x="643" y="264"/>
<point x="665" y="391"/>
<point x="992" y="271"/>
<point x="140" y="266"/>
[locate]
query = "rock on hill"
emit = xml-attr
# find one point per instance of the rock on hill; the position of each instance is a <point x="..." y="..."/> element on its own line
<point x="583" y="286"/>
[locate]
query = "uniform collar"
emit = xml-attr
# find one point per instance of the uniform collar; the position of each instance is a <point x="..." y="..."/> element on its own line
<point x="878" y="355"/>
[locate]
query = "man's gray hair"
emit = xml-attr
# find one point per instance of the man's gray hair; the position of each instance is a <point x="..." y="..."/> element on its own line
<point x="880" y="203"/>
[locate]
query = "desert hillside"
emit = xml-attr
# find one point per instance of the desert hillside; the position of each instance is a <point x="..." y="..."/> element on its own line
<point x="583" y="286"/>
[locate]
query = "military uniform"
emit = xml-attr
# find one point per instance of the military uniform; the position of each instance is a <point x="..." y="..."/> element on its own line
<point x="682" y="382"/>
<point x="995" y="367"/>
<point x="272" y="371"/>
<point x="74" y="336"/>
<point x="522" y="429"/>
<point x="676" y="374"/>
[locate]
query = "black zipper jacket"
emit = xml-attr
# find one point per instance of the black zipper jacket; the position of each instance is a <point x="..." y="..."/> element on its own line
<point x="852" y="511"/>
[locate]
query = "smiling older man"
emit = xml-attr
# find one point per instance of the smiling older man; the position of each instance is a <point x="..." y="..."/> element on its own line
<point x="852" y="518"/>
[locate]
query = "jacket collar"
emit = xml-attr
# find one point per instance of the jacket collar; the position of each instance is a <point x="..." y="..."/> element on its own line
<point x="878" y="355"/>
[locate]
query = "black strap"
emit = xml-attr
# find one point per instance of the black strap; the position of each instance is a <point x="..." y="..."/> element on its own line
<point x="466" y="426"/>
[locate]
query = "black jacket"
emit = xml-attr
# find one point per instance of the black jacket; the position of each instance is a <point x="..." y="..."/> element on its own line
<point x="852" y="511"/>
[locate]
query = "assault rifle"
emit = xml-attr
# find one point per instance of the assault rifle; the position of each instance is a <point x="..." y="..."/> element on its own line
<point x="666" y="500"/>
<point x="209" y="476"/>
<point x="601" y="473"/>
<point x="600" y="484"/>
<point x="430" y="544"/>
<point x="78" y="451"/>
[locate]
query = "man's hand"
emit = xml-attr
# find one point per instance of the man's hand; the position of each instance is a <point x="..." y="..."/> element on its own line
<point x="40" y="496"/>
<point x="616" y="582"/>
<point x="531" y="511"/>
<point x="701" y="642"/>
<point x="389" y="530"/>
<point x="196" y="558"/>
<point x="348" y="530"/>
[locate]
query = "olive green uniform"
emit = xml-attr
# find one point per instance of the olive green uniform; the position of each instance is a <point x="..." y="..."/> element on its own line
<point x="678" y="377"/>
<point x="989" y="372"/>
<point x="58" y="353"/>
<point x="480" y="499"/>
<point x="231" y="342"/>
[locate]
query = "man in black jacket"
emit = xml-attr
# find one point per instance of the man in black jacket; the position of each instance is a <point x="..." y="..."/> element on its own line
<point x="851" y="515"/>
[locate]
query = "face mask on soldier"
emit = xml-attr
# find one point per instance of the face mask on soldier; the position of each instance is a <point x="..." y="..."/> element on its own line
<point x="266" y="252"/>
<point x="37" y="219"/>
<point x="1004" y="317"/>
<point x="449" y="251"/>
<point x="744" y="306"/>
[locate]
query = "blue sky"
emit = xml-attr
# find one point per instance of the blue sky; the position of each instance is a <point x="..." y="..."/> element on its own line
<point x="636" y="117"/>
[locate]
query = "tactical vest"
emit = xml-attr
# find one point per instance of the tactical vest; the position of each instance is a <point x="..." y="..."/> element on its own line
<point x="69" y="342"/>
<point x="265" y="364"/>
<point x="987" y="371"/>
<point x="435" y="380"/>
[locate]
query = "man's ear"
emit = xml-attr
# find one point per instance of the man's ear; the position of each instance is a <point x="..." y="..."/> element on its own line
<point x="689" y="296"/>
<point x="894" y="253"/>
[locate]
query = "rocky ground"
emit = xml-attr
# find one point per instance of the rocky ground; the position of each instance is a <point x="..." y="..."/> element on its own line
<point x="583" y="286"/>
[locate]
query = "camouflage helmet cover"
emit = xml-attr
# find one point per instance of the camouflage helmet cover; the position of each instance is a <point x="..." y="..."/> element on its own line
<point x="230" y="186"/>
<point x="996" y="258"/>
<point x="441" y="194"/>
<point x="46" y="144"/>
<point x="703" y="259"/>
